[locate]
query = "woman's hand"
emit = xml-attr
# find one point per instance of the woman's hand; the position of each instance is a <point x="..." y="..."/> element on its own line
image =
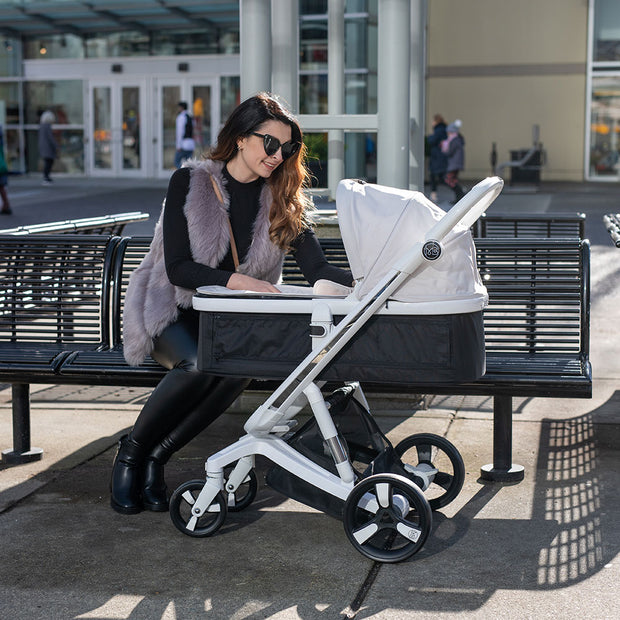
<point x="240" y="282"/>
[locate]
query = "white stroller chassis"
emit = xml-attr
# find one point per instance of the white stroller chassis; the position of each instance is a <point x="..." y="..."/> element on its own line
<point x="386" y="516"/>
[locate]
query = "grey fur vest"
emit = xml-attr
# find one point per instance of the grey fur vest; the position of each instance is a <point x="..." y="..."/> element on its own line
<point x="152" y="302"/>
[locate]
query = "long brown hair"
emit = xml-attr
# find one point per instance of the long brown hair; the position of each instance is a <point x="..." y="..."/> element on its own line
<point x="289" y="211"/>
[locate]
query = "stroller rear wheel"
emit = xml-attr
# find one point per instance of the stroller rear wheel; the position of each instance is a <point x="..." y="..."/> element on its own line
<point x="435" y="465"/>
<point x="387" y="518"/>
<point x="181" y="504"/>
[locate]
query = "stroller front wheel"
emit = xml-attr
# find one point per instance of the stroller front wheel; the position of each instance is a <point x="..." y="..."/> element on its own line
<point x="240" y="498"/>
<point x="181" y="504"/>
<point x="387" y="518"/>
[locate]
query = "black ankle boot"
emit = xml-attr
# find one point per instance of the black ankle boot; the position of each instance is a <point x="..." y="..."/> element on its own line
<point x="127" y="477"/>
<point x="154" y="490"/>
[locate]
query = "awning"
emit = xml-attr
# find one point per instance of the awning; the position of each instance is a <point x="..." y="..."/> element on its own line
<point x="39" y="17"/>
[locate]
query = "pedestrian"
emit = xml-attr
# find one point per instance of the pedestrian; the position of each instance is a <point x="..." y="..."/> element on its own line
<point x="48" y="149"/>
<point x="4" y="178"/>
<point x="185" y="144"/>
<point x="454" y="149"/>
<point x="228" y="219"/>
<point x="437" y="163"/>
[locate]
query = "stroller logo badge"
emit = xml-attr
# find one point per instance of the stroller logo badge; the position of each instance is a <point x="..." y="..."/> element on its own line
<point x="431" y="250"/>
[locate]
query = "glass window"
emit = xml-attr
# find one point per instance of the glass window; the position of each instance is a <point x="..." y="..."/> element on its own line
<point x="70" y="151"/>
<point x="313" y="93"/>
<point x="313" y="7"/>
<point x="605" y="127"/>
<point x="360" y="156"/>
<point x="230" y="96"/>
<point x="10" y="57"/>
<point x="606" y="30"/>
<point x="316" y="158"/>
<point x="9" y="100"/>
<point x="313" y="45"/>
<point x="200" y="41"/>
<point x="12" y="149"/>
<point x="63" y="97"/>
<point x="54" y="46"/>
<point x="115" y="44"/>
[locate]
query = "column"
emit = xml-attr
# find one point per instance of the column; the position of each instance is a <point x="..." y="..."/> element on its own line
<point x="285" y="49"/>
<point x="335" y="93"/>
<point x="417" y="84"/>
<point x="393" y="96"/>
<point x="255" y="46"/>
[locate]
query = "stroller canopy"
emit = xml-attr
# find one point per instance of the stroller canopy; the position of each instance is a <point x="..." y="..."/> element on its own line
<point x="380" y="224"/>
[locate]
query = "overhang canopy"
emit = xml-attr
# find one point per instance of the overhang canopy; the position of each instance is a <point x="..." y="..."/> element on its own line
<point x="31" y="18"/>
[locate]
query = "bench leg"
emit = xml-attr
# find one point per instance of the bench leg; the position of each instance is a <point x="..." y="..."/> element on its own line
<point x="502" y="469"/>
<point x="21" y="452"/>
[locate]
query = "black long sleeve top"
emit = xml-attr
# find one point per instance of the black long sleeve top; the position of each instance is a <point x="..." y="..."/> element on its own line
<point x="183" y="271"/>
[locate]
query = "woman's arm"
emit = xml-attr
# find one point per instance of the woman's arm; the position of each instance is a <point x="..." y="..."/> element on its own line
<point x="313" y="264"/>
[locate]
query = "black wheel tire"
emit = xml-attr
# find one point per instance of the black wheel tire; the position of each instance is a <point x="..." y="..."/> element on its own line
<point x="181" y="504"/>
<point x="384" y="533"/>
<point x="245" y="493"/>
<point x="427" y="448"/>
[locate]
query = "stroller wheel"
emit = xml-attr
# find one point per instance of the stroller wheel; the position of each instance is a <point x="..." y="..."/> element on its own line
<point x="245" y="493"/>
<point x="387" y="518"/>
<point x="435" y="465"/>
<point x="181" y="503"/>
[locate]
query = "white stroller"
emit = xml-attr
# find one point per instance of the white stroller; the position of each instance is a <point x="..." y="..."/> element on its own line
<point x="415" y="314"/>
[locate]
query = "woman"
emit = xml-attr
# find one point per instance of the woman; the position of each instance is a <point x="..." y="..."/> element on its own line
<point x="437" y="159"/>
<point x="454" y="148"/>
<point x="48" y="149"/>
<point x="227" y="220"/>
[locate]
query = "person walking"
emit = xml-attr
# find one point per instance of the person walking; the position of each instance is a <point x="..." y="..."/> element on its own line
<point x="227" y="220"/>
<point x="4" y="178"/>
<point x="185" y="144"/>
<point x="454" y="149"/>
<point x="48" y="149"/>
<point x="437" y="159"/>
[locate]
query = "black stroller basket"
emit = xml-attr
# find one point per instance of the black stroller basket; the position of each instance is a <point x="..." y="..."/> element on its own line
<point x="369" y="450"/>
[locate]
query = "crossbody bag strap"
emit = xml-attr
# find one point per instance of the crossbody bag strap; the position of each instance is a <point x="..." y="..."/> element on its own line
<point x="233" y="245"/>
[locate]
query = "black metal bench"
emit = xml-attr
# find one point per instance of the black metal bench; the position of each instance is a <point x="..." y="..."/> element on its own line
<point x="537" y="225"/>
<point x="612" y="224"/>
<point x="536" y="331"/>
<point x="53" y="301"/>
<point x="101" y="225"/>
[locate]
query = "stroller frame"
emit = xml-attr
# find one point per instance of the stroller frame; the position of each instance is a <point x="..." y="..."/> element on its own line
<point x="272" y="421"/>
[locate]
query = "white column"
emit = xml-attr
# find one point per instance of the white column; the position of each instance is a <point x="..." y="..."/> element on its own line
<point x="417" y="84"/>
<point x="285" y="50"/>
<point x="255" y="46"/>
<point x="393" y="96"/>
<point x="335" y="93"/>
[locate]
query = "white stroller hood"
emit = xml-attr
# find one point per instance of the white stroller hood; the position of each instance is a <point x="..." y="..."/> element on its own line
<point x="380" y="224"/>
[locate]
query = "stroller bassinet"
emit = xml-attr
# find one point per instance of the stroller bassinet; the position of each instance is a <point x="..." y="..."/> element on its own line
<point x="430" y="329"/>
<point x="415" y="313"/>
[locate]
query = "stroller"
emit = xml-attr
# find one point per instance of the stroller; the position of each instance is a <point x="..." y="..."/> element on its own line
<point x="415" y="314"/>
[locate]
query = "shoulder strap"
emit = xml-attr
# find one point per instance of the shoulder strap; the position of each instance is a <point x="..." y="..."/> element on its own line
<point x="233" y="245"/>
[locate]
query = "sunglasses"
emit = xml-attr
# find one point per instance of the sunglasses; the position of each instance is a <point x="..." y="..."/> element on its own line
<point x="271" y="145"/>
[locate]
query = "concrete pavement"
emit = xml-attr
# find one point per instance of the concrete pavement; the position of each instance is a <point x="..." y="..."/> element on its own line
<point x="548" y="547"/>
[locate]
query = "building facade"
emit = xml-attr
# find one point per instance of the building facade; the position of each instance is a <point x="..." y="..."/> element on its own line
<point x="543" y="71"/>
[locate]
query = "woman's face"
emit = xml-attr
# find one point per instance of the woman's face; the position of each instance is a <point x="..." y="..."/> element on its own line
<point x="251" y="160"/>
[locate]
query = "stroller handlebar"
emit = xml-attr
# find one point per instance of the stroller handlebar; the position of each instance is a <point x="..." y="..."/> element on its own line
<point x="468" y="209"/>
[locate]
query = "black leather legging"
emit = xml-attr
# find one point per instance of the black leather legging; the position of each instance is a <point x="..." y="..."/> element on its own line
<point x="186" y="400"/>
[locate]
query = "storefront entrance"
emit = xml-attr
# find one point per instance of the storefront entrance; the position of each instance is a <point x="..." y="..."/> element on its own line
<point x="115" y="134"/>
<point x="128" y="133"/>
<point x="202" y="98"/>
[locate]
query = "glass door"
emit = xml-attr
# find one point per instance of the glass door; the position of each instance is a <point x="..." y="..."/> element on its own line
<point x="202" y="98"/>
<point x="116" y="133"/>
